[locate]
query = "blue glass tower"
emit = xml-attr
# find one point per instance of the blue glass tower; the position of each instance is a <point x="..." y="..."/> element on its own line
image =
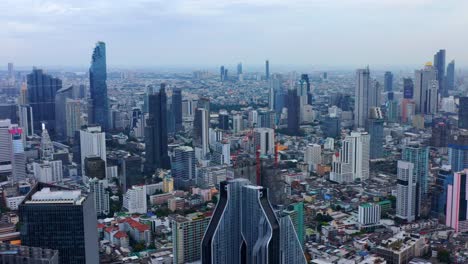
<point x="99" y="111"/>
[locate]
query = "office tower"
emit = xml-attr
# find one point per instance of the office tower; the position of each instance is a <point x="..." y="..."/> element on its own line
<point x="47" y="147"/>
<point x="352" y="162"/>
<point x="422" y="85"/>
<point x="374" y="125"/>
<point x="92" y="143"/>
<point x="221" y="153"/>
<point x="204" y="102"/>
<point x="266" y="119"/>
<point x="156" y="132"/>
<point x="200" y="129"/>
<point x="60" y="111"/>
<point x="183" y="167"/>
<point x="48" y="171"/>
<point x="450" y="78"/>
<point x="221" y="69"/>
<point x="264" y="140"/>
<point x="267" y="70"/>
<point x="274" y="89"/>
<point x="439" y="64"/>
<point x="63" y="220"/>
<point x="393" y="110"/>
<point x="131" y="172"/>
<point x="407" y="202"/>
<point x="456" y="215"/>
<point x="16" y="254"/>
<point x="257" y="236"/>
<point x="444" y="177"/>
<point x="98" y="87"/>
<point x="94" y="167"/>
<point x="440" y="134"/>
<point x="12" y="156"/>
<point x="293" y="112"/>
<point x="134" y="200"/>
<point x="11" y="71"/>
<point x="367" y="95"/>
<point x="432" y="98"/>
<point x="177" y="108"/>
<point x="304" y="91"/>
<point x="368" y="214"/>
<point x="408" y="88"/>
<point x="237" y="123"/>
<point x="6" y="146"/>
<point x="72" y="117"/>
<point x="8" y="111"/>
<point x="187" y="235"/>
<point x="419" y="156"/>
<point x="26" y="119"/>
<point x="331" y="126"/>
<point x="388" y="81"/>
<point x="463" y="113"/>
<point x="408" y="110"/>
<point x="97" y="189"/>
<point x="296" y="212"/>
<point x="41" y="96"/>
<point x="458" y="150"/>
<point x="253" y="118"/>
<point x="240" y="75"/>
<point x="223" y="120"/>
<point x="313" y="156"/>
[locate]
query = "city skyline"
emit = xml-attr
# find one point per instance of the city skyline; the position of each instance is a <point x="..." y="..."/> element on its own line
<point x="183" y="33"/>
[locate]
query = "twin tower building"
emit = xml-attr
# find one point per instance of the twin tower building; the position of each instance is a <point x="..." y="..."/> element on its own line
<point x="245" y="228"/>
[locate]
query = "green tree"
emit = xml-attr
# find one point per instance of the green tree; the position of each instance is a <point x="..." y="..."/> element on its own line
<point x="443" y="255"/>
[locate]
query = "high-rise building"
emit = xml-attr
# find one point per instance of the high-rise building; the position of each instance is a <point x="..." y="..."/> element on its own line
<point x="221" y="153"/>
<point x="134" y="200"/>
<point x="293" y="112"/>
<point x="266" y="119"/>
<point x="240" y="75"/>
<point x="259" y="235"/>
<point x="463" y="113"/>
<point x="60" y="111"/>
<point x="458" y="150"/>
<point x="41" y="96"/>
<point x="456" y="215"/>
<point x="221" y="69"/>
<point x="264" y="140"/>
<point x="177" y="108"/>
<point x="94" y="167"/>
<point x="352" y="161"/>
<point x="48" y="171"/>
<point x="223" y="120"/>
<point x="439" y="64"/>
<point x="9" y="111"/>
<point x="388" y="81"/>
<point x="408" y="88"/>
<point x="183" y="167"/>
<point x="47" y="147"/>
<point x="99" y="113"/>
<point x="313" y="156"/>
<point x="62" y="220"/>
<point x="367" y="95"/>
<point x="92" y="143"/>
<point x="274" y="89"/>
<point x="97" y="189"/>
<point x="369" y="214"/>
<point x="26" y="119"/>
<point x="201" y="130"/>
<point x="407" y="202"/>
<point x="16" y="254"/>
<point x="331" y="126"/>
<point x="422" y="85"/>
<point x="187" y="235"/>
<point x="450" y="78"/>
<point x="237" y="123"/>
<point x="12" y="156"/>
<point x="419" y="156"/>
<point x="72" y="117"/>
<point x="156" y="132"/>
<point x="374" y="125"/>
<point x="11" y="70"/>
<point x="267" y="70"/>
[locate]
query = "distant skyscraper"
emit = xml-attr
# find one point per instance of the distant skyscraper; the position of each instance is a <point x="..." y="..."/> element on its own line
<point x="177" y="108"/>
<point x="450" y="78"/>
<point x="388" y="81"/>
<point x="406" y="207"/>
<point x="12" y="156"/>
<point x="353" y="159"/>
<point x="264" y="140"/>
<point x="98" y="87"/>
<point x="237" y="123"/>
<point x="41" y="96"/>
<point x="408" y="88"/>
<point x="97" y="189"/>
<point x="60" y="219"/>
<point x="183" y="167"/>
<point x="239" y="68"/>
<point x="221" y="153"/>
<point x="374" y="125"/>
<point x="463" y="113"/>
<point x="439" y="64"/>
<point x="201" y="132"/>
<point x="457" y="202"/>
<point x="223" y="120"/>
<point x="221" y="72"/>
<point x="423" y="79"/>
<point x="60" y="111"/>
<point x="156" y="132"/>
<point x="267" y="70"/>
<point x="458" y="150"/>
<point x="92" y="143"/>
<point x="274" y="89"/>
<point x="366" y="95"/>
<point x="47" y="147"/>
<point x="331" y="126"/>
<point x="11" y="70"/>
<point x="293" y="112"/>
<point x="26" y="119"/>
<point x="72" y="117"/>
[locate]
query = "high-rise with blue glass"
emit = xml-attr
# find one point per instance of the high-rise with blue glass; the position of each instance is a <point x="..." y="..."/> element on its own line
<point x="99" y="106"/>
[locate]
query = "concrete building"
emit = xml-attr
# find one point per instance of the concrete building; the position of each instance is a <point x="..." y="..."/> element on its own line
<point x="264" y="140"/>
<point x="313" y="156"/>
<point x="92" y="143"/>
<point x="406" y="207"/>
<point x="368" y="214"/>
<point x="401" y="248"/>
<point x="134" y="200"/>
<point x="456" y="215"/>
<point x="187" y="236"/>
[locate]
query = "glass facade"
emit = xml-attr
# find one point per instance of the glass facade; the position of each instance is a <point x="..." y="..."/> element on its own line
<point x="98" y="87"/>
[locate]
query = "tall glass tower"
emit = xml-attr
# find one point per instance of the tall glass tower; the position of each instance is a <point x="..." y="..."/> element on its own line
<point x="99" y="106"/>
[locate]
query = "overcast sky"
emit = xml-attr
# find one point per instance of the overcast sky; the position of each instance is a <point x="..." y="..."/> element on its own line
<point x="214" y="32"/>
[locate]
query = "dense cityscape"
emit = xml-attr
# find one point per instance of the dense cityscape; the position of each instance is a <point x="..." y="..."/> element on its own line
<point x="234" y="164"/>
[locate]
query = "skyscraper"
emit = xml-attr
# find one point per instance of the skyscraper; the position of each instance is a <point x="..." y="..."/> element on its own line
<point x="156" y="132"/>
<point x="422" y="84"/>
<point x="456" y="215"/>
<point x="264" y="140"/>
<point x="439" y="64"/>
<point x="187" y="234"/>
<point x="388" y="81"/>
<point x="367" y="95"/>
<point x="374" y="125"/>
<point x="353" y="159"/>
<point x="177" y="108"/>
<point x="201" y="132"/>
<point x="408" y="88"/>
<point x="259" y="235"/>
<point x="240" y="75"/>
<point x="406" y="207"/>
<point x="450" y="78"/>
<point x="98" y="87"/>
<point x="419" y="156"/>
<point x="293" y="112"/>
<point x="223" y="120"/>
<point x="274" y="89"/>
<point x="463" y="113"/>
<point x="267" y="70"/>
<point x="72" y="117"/>
<point x="60" y="111"/>
<point x="12" y="156"/>
<point x="26" y="119"/>
<point x="60" y="219"/>
<point x="92" y="143"/>
<point x="183" y="167"/>
<point x="41" y="96"/>
<point x="458" y="150"/>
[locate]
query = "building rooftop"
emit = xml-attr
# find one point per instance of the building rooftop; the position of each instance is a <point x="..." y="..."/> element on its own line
<point x="46" y="195"/>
